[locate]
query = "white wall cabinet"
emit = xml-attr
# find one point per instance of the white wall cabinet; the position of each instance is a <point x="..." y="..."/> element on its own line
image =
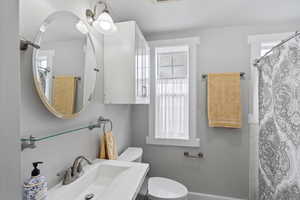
<point x="126" y="66"/>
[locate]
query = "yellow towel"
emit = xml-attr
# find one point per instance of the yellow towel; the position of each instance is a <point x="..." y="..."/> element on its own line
<point x="108" y="147"/>
<point x="64" y="94"/>
<point x="224" y="100"/>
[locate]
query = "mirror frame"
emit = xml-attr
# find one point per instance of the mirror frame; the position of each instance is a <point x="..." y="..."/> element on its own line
<point x="38" y="39"/>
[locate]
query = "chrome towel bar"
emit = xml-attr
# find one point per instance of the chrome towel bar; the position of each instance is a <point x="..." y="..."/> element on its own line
<point x="188" y="155"/>
<point x="242" y="75"/>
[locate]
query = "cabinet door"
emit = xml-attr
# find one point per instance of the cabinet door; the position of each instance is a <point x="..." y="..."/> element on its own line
<point x="139" y="73"/>
<point x="144" y="89"/>
<point x="142" y="74"/>
<point x="147" y="72"/>
<point x="137" y="68"/>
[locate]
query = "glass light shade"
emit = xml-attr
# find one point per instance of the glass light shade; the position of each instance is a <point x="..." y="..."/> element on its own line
<point x="43" y="28"/>
<point x="82" y="27"/>
<point x="105" y="24"/>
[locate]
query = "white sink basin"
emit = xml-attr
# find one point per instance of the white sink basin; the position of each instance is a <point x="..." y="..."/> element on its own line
<point x="106" y="180"/>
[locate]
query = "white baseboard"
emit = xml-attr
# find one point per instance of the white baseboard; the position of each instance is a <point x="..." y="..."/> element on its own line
<point x="200" y="196"/>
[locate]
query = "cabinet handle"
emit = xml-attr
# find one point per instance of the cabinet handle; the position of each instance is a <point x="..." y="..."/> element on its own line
<point x="144" y="91"/>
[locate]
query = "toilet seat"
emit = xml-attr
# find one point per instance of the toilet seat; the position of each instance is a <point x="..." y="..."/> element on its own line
<point x="166" y="189"/>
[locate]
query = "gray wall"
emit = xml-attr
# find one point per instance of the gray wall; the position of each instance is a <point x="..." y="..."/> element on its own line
<point x="60" y="152"/>
<point x="10" y="186"/>
<point x="225" y="168"/>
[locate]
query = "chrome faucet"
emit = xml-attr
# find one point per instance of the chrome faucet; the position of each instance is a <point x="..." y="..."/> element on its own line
<point x="74" y="172"/>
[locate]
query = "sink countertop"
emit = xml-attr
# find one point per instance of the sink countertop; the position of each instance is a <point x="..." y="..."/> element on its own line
<point x="117" y="180"/>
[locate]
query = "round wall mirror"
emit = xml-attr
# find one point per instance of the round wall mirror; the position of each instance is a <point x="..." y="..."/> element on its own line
<point x="64" y="68"/>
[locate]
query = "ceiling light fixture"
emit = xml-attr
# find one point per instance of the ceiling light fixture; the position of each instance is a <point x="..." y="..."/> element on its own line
<point x="102" y="23"/>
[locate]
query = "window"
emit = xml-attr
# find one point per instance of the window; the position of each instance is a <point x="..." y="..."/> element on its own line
<point x="267" y="46"/>
<point x="260" y="45"/>
<point x="172" y="93"/>
<point x="173" y="96"/>
<point x="44" y="64"/>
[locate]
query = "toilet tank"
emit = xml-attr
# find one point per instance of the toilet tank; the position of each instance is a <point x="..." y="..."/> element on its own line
<point x="132" y="154"/>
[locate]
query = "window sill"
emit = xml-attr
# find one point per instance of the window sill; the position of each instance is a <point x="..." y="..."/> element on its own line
<point x="174" y="142"/>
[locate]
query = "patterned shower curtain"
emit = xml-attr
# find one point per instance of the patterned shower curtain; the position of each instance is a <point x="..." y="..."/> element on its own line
<point x="279" y="114"/>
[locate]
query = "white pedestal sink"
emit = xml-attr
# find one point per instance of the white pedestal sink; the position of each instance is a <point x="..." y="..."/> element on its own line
<point x="105" y="180"/>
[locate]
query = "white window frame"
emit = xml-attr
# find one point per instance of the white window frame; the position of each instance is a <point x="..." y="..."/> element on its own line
<point x="255" y="42"/>
<point x="193" y="141"/>
<point x="48" y="55"/>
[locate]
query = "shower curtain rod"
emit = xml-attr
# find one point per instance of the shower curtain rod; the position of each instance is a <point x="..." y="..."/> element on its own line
<point x="297" y="33"/>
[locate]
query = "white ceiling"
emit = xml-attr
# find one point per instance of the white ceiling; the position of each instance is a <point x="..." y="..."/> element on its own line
<point x="176" y="15"/>
<point x="186" y="14"/>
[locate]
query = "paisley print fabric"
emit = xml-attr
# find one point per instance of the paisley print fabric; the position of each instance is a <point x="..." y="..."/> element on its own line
<point x="279" y="114"/>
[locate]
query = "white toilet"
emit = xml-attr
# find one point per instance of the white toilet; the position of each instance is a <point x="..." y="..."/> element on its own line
<point x="158" y="188"/>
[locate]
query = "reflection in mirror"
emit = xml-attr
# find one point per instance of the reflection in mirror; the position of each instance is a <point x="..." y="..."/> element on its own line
<point x="64" y="66"/>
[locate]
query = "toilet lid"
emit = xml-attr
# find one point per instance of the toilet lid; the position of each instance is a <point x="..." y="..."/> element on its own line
<point x="166" y="188"/>
<point x="131" y="154"/>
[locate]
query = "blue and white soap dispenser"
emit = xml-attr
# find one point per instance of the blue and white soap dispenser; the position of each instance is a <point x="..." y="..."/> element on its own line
<point x="35" y="188"/>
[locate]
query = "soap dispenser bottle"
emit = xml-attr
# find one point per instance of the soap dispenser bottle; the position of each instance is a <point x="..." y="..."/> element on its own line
<point x="35" y="188"/>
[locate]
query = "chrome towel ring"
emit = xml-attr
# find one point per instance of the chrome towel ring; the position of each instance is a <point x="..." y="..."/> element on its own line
<point x="104" y="125"/>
